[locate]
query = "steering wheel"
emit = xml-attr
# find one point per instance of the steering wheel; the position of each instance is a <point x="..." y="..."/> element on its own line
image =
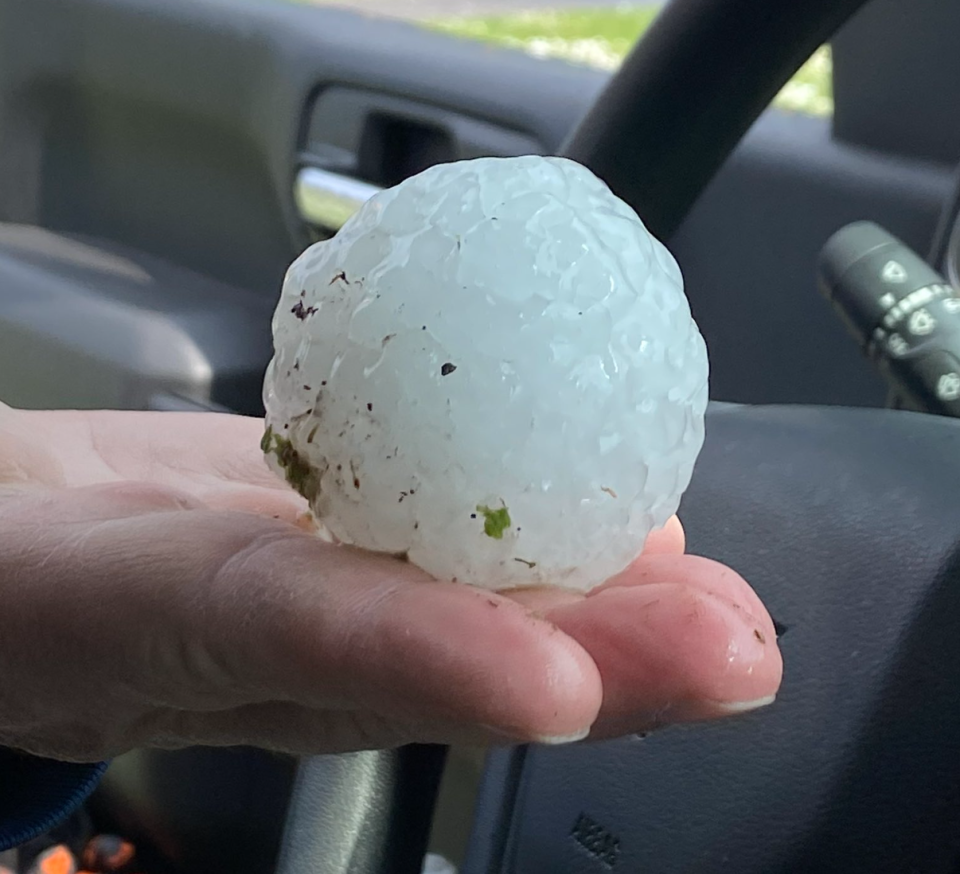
<point x="846" y="521"/>
<point x="690" y="90"/>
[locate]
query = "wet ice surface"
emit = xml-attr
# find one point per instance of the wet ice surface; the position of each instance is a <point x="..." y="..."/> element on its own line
<point x="492" y="369"/>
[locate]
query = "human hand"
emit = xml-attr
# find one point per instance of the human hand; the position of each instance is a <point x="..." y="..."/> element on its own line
<point x="156" y="591"/>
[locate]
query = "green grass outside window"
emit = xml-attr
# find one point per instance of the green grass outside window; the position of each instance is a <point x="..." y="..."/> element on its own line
<point x="602" y="37"/>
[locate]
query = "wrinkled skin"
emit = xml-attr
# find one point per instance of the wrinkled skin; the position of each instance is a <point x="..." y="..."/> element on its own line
<point x="157" y="591"/>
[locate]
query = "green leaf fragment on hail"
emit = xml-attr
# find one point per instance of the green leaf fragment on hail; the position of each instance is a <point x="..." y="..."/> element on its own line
<point x="299" y="474"/>
<point x="495" y="522"/>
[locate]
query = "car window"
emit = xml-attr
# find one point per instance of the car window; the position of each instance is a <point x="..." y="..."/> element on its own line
<point x="586" y="32"/>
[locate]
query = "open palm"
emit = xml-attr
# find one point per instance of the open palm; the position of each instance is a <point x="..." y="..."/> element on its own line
<point x="162" y="594"/>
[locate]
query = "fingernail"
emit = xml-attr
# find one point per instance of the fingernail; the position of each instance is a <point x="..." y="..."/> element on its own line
<point x="560" y="740"/>
<point x="735" y="707"/>
<point x="702" y="710"/>
<point x="747" y="674"/>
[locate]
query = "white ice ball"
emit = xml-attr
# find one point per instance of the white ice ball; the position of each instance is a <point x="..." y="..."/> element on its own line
<point x="492" y="370"/>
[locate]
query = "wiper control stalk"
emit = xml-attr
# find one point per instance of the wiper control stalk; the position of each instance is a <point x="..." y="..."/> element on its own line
<point x="904" y="315"/>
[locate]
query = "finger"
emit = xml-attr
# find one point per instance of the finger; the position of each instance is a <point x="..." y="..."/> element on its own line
<point x="540" y="600"/>
<point x="669" y="540"/>
<point x="700" y="573"/>
<point x="289" y="728"/>
<point x="671" y="652"/>
<point x="207" y="610"/>
<point x="392" y="640"/>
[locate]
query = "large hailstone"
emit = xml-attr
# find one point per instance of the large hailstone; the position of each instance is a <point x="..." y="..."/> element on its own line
<point x="491" y="370"/>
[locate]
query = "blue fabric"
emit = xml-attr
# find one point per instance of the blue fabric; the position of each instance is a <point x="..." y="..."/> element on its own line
<point x="38" y="794"/>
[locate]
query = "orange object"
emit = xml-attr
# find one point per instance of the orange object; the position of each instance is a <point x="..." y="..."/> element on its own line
<point x="108" y="854"/>
<point x="56" y="860"/>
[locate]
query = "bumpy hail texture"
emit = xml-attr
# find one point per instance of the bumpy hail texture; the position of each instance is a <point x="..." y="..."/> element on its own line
<point x="493" y="370"/>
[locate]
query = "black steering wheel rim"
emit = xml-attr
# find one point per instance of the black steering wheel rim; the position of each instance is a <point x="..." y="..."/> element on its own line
<point x="690" y="90"/>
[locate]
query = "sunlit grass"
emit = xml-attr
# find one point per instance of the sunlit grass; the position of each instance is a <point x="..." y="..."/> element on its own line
<point x="602" y="37"/>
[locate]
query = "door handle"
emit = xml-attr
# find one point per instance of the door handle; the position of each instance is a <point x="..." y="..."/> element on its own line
<point x="326" y="199"/>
